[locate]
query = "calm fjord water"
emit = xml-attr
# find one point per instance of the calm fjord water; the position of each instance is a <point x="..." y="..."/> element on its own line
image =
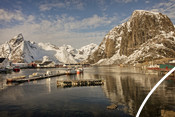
<point x="126" y="87"/>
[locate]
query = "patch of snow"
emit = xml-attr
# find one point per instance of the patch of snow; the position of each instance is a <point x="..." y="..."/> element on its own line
<point x="114" y="59"/>
<point x="145" y="11"/>
<point x="85" y="51"/>
<point x="101" y="61"/>
<point x="159" y="45"/>
<point x="173" y="61"/>
<point x="168" y="35"/>
<point x="128" y="26"/>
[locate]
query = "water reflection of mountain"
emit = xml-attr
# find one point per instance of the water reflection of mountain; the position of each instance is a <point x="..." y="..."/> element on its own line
<point x="129" y="88"/>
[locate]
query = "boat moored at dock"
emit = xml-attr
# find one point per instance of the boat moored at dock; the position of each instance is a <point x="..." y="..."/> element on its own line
<point x="80" y="70"/>
<point x="70" y="71"/>
<point x="16" y="69"/>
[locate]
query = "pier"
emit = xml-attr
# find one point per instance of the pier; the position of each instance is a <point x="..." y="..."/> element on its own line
<point x="28" y="79"/>
<point x="78" y="83"/>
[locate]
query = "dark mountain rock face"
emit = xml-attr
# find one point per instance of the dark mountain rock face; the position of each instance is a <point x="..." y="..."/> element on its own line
<point x="143" y="26"/>
<point x="145" y="36"/>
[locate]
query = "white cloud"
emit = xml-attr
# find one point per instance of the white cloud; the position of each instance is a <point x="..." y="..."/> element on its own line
<point x="167" y="8"/>
<point x="69" y="23"/>
<point x="103" y="5"/>
<point x="88" y="23"/>
<point x="64" y="30"/>
<point x="30" y="18"/>
<point x="147" y="2"/>
<point x="71" y="4"/>
<point x="8" y="16"/>
<point x="45" y="7"/>
<point x="126" y="1"/>
<point x="78" y="4"/>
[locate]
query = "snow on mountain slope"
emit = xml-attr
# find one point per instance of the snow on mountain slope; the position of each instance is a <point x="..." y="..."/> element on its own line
<point x="85" y="51"/>
<point x="20" y="50"/>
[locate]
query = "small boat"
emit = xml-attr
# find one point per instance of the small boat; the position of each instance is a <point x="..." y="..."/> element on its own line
<point x="49" y="73"/>
<point x="35" y="75"/>
<point x="80" y="70"/>
<point x="16" y="69"/>
<point x="70" y="71"/>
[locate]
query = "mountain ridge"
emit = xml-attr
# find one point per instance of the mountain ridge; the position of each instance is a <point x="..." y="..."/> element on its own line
<point x="19" y="50"/>
<point x="146" y="36"/>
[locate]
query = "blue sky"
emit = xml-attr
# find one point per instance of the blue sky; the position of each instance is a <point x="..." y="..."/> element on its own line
<point x="73" y="22"/>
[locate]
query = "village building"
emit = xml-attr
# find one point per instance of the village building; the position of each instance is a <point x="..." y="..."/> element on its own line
<point x="37" y="63"/>
<point x="20" y="65"/>
<point x="167" y="66"/>
<point x="44" y="63"/>
<point x="59" y="65"/>
<point x="47" y="64"/>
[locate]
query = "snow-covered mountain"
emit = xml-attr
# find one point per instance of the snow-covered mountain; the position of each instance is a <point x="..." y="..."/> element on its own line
<point x="145" y="37"/>
<point x="85" y="51"/>
<point x="20" y="50"/>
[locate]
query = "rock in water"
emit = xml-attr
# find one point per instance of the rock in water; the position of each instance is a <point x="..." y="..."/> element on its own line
<point x="112" y="107"/>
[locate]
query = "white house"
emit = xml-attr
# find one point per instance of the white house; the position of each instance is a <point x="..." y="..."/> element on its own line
<point x="21" y="65"/>
<point x="38" y="62"/>
<point x="47" y="64"/>
<point x="4" y="63"/>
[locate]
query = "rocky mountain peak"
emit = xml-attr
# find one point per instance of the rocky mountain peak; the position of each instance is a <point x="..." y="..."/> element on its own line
<point x="137" y="13"/>
<point x="143" y="25"/>
<point x="142" y="29"/>
<point x="16" y="40"/>
<point x="151" y="19"/>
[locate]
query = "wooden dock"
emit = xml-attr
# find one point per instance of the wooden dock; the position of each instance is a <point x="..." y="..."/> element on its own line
<point x="78" y="83"/>
<point x="44" y="76"/>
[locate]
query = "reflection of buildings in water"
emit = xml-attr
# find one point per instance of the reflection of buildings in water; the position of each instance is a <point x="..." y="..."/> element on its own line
<point x="48" y="85"/>
<point x="71" y="77"/>
<point x="80" y="76"/>
<point x="130" y="91"/>
<point x="93" y="76"/>
<point x="26" y="91"/>
<point x="46" y="82"/>
<point x="12" y="93"/>
<point x="1" y="83"/>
